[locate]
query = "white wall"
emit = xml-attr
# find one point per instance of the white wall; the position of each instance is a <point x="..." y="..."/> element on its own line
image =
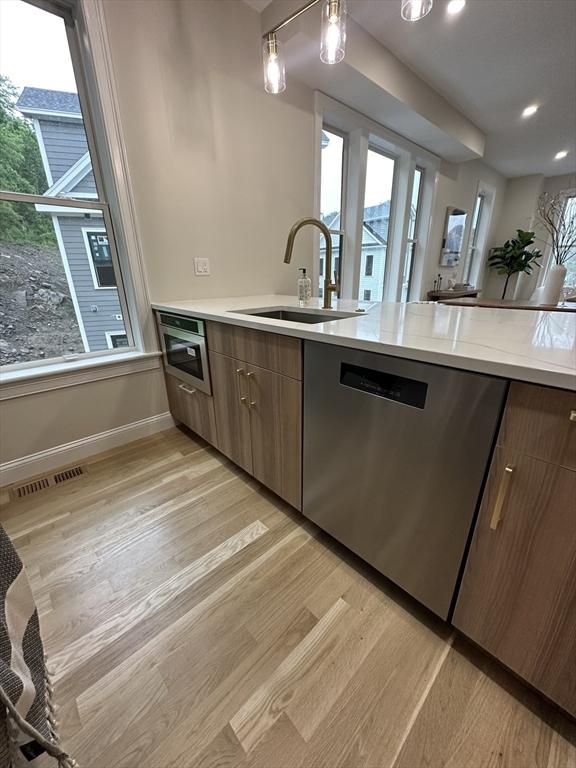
<point x="35" y="423"/>
<point x="219" y="168"/>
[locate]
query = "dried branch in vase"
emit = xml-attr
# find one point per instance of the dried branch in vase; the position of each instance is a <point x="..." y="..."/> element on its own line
<point x="557" y="214"/>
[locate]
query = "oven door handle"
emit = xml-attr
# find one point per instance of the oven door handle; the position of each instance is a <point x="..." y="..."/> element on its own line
<point x="178" y="334"/>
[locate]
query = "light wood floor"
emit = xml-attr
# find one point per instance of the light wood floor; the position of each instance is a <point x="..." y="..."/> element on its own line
<point x="194" y="620"/>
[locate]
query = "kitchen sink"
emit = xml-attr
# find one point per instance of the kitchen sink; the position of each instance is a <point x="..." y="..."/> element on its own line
<point x="298" y="315"/>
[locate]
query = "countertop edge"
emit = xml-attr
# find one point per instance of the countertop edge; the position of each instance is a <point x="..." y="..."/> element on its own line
<point x="529" y="374"/>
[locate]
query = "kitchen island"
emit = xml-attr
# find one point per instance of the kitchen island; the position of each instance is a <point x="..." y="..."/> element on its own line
<point x="537" y="347"/>
<point x="436" y="442"/>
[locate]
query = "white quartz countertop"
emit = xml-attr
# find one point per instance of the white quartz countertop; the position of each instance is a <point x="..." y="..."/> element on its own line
<point x="526" y="345"/>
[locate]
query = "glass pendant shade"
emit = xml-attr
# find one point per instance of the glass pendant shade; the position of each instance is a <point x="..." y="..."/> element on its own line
<point x="413" y="10"/>
<point x="333" y="44"/>
<point x="274" y="71"/>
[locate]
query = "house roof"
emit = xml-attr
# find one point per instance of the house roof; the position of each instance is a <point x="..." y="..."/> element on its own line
<point x="32" y="99"/>
<point x="375" y="221"/>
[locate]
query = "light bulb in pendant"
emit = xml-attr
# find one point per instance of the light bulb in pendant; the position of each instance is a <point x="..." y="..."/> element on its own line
<point x="333" y="46"/>
<point x="413" y="10"/>
<point x="274" y="71"/>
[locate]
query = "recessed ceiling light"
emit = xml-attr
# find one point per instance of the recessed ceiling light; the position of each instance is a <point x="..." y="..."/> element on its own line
<point x="561" y="155"/>
<point x="455" y="6"/>
<point x="530" y="110"/>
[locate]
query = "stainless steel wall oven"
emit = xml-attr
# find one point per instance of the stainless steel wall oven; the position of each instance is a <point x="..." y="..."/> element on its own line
<point x="183" y="342"/>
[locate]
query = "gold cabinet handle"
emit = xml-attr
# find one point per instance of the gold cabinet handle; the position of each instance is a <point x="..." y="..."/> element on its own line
<point x="572" y="415"/>
<point x="243" y="400"/>
<point x="501" y="498"/>
<point x="250" y="376"/>
<point x="239" y="371"/>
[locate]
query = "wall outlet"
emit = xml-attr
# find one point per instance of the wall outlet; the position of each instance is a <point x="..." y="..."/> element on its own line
<point x="202" y="267"/>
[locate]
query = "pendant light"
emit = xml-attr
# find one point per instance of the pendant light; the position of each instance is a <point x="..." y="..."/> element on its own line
<point x="333" y="43"/>
<point x="274" y="71"/>
<point x="413" y="10"/>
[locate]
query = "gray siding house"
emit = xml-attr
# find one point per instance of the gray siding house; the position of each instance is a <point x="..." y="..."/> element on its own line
<point x="373" y="253"/>
<point x="81" y="235"/>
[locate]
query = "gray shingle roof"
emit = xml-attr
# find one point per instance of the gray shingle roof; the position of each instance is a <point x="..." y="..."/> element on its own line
<point x="53" y="101"/>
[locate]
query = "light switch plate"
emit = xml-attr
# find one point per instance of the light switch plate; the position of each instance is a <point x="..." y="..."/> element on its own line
<point x="202" y="267"/>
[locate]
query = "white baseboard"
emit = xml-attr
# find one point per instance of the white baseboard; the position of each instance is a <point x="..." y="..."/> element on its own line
<point x="69" y="453"/>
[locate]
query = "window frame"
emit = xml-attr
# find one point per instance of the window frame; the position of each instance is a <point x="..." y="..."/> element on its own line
<point x="88" y="42"/>
<point x="318" y="278"/>
<point x="412" y="242"/>
<point x="474" y="268"/>
<point x="364" y="133"/>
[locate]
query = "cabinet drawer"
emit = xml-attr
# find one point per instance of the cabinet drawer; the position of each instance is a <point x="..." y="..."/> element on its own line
<point x="281" y="354"/>
<point x="537" y="422"/>
<point x="192" y="408"/>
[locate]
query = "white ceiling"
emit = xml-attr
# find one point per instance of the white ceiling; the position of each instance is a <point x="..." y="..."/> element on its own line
<point x="258" y="5"/>
<point x="491" y="61"/>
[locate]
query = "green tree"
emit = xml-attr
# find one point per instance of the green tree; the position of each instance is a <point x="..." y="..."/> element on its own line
<point x="21" y="170"/>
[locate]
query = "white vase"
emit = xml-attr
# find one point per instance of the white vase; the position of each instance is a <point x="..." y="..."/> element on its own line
<point x="553" y="284"/>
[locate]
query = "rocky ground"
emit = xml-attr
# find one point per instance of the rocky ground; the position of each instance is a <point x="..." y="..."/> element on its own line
<point x="37" y="319"/>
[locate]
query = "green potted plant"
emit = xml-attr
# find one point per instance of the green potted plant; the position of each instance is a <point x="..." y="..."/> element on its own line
<point x="514" y="257"/>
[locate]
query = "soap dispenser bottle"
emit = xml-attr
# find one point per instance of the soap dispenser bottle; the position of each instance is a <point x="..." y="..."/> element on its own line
<point x="304" y="287"/>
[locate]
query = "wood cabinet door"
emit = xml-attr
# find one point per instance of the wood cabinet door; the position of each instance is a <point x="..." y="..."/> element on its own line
<point x="230" y="388"/>
<point x="192" y="407"/>
<point x="276" y="428"/>
<point x="518" y="594"/>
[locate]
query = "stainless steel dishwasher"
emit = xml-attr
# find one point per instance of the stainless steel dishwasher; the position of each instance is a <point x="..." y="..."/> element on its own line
<point x="395" y="452"/>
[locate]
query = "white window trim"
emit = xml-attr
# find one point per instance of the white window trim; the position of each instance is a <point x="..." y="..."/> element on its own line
<point x="92" y="37"/>
<point x="362" y="133"/>
<point x="33" y="112"/>
<point x="43" y="155"/>
<point x="485" y="224"/>
<point x="109" y="335"/>
<point x="57" y="375"/>
<point x="92" y="22"/>
<point x="85" y="231"/>
<point x="73" y="175"/>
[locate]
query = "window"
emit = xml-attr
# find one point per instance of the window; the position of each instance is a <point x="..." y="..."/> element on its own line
<point x="412" y="238"/>
<point x="100" y="257"/>
<point x="570" y="281"/>
<point x="478" y="236"/>
<point x="367" y="295"/>
<point x="332" y="173"/>
<point x="376" y="222"/>
<point x="55" y="224"/>
<point x="116" y="339"/>
<point x="469" y="267"/>
<point x="376" y="191"/>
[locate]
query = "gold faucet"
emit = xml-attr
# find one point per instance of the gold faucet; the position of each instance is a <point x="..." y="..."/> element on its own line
<point x="329" y="288"/>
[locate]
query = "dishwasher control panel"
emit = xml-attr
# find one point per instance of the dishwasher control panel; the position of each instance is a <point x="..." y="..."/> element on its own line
<point x="386" y="385"/>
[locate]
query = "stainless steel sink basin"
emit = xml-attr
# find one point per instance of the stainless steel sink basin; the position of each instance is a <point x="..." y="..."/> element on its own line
<point x="297" y="315"/>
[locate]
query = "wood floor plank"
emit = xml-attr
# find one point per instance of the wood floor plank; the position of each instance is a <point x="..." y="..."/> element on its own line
<point x="266" y="704"/>
<point x="87" y="646"/>
<point x="196" y="621"/>
<point x="471" y="719"/>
